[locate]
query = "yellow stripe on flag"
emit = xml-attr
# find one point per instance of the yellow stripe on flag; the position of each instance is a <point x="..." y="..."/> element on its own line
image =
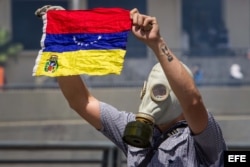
<point x="91" y="62"/>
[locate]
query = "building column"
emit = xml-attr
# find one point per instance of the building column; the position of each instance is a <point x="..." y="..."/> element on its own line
<point x="168" y="14"/>
<point x="5" y="14"/>
<point x="78" y="4"/>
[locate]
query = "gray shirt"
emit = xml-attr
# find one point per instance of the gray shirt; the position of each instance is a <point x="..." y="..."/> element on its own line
<point x="182" y="149"/>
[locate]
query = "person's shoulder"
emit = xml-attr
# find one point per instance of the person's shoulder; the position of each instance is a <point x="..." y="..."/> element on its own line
<point x="211" y="118"/>
<point x="107" y="110"/>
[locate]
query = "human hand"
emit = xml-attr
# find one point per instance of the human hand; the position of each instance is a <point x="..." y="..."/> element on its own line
<point x="41" y="11"/>
<point x="145" y="28"/>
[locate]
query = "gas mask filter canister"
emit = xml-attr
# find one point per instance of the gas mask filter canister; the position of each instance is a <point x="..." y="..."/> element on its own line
<point x="159" y="105"/>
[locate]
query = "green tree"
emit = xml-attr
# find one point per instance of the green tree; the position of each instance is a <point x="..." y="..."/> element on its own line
<point x="8" y="49"/>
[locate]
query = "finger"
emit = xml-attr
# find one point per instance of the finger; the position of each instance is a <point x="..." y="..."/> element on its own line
<point x="135" y="18"/>
<point x="149" y="20"/>
<point x="148" y="27"/>
<point x="140" y="19"/>
<point x="41" y="11"/>
<point x="133" y="11"/>
<point x="148" y="23"/>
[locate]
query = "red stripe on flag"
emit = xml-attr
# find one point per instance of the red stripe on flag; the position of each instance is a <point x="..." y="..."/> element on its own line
<point x="97" y="20"/>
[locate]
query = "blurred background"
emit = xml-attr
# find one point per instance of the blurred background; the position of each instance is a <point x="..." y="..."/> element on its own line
<point x="211" y="36"/>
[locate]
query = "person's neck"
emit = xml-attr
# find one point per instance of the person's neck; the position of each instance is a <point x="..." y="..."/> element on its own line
<point x="166" y="126"/>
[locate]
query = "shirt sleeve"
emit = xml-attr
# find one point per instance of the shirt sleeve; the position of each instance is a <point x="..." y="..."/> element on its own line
<point x="210" y="143"/>
<point x="114" y="123"/>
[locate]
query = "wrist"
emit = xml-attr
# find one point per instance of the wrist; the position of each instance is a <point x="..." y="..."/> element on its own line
<point x="157" y="43"/>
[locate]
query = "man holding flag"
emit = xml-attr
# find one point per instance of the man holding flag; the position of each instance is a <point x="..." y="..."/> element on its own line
<point x="172" y="127"/>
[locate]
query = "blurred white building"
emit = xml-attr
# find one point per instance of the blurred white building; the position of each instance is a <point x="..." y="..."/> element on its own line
<point x="174" y="16"/>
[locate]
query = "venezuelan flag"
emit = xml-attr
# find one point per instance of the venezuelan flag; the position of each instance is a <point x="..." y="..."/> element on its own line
<point x="78" y="42"/>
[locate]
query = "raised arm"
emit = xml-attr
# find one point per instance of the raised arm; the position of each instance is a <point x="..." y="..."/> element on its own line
<point x="146" y="29"/>
<point x="80" y="99"/>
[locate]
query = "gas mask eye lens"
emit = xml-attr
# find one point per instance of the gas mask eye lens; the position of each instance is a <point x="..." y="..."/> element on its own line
<point x="159" y="92"/>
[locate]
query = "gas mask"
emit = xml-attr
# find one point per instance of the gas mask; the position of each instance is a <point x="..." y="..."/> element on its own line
<point x="159" y="105"/>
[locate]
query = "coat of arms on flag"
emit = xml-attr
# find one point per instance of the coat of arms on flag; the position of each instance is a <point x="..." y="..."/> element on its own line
<point x="78" y="42"/>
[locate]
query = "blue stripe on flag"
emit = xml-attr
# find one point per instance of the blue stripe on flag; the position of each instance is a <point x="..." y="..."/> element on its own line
<point x="73" y="42"/>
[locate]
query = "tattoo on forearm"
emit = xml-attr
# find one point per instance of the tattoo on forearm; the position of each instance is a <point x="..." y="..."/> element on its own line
<point x="166" y="52"/>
